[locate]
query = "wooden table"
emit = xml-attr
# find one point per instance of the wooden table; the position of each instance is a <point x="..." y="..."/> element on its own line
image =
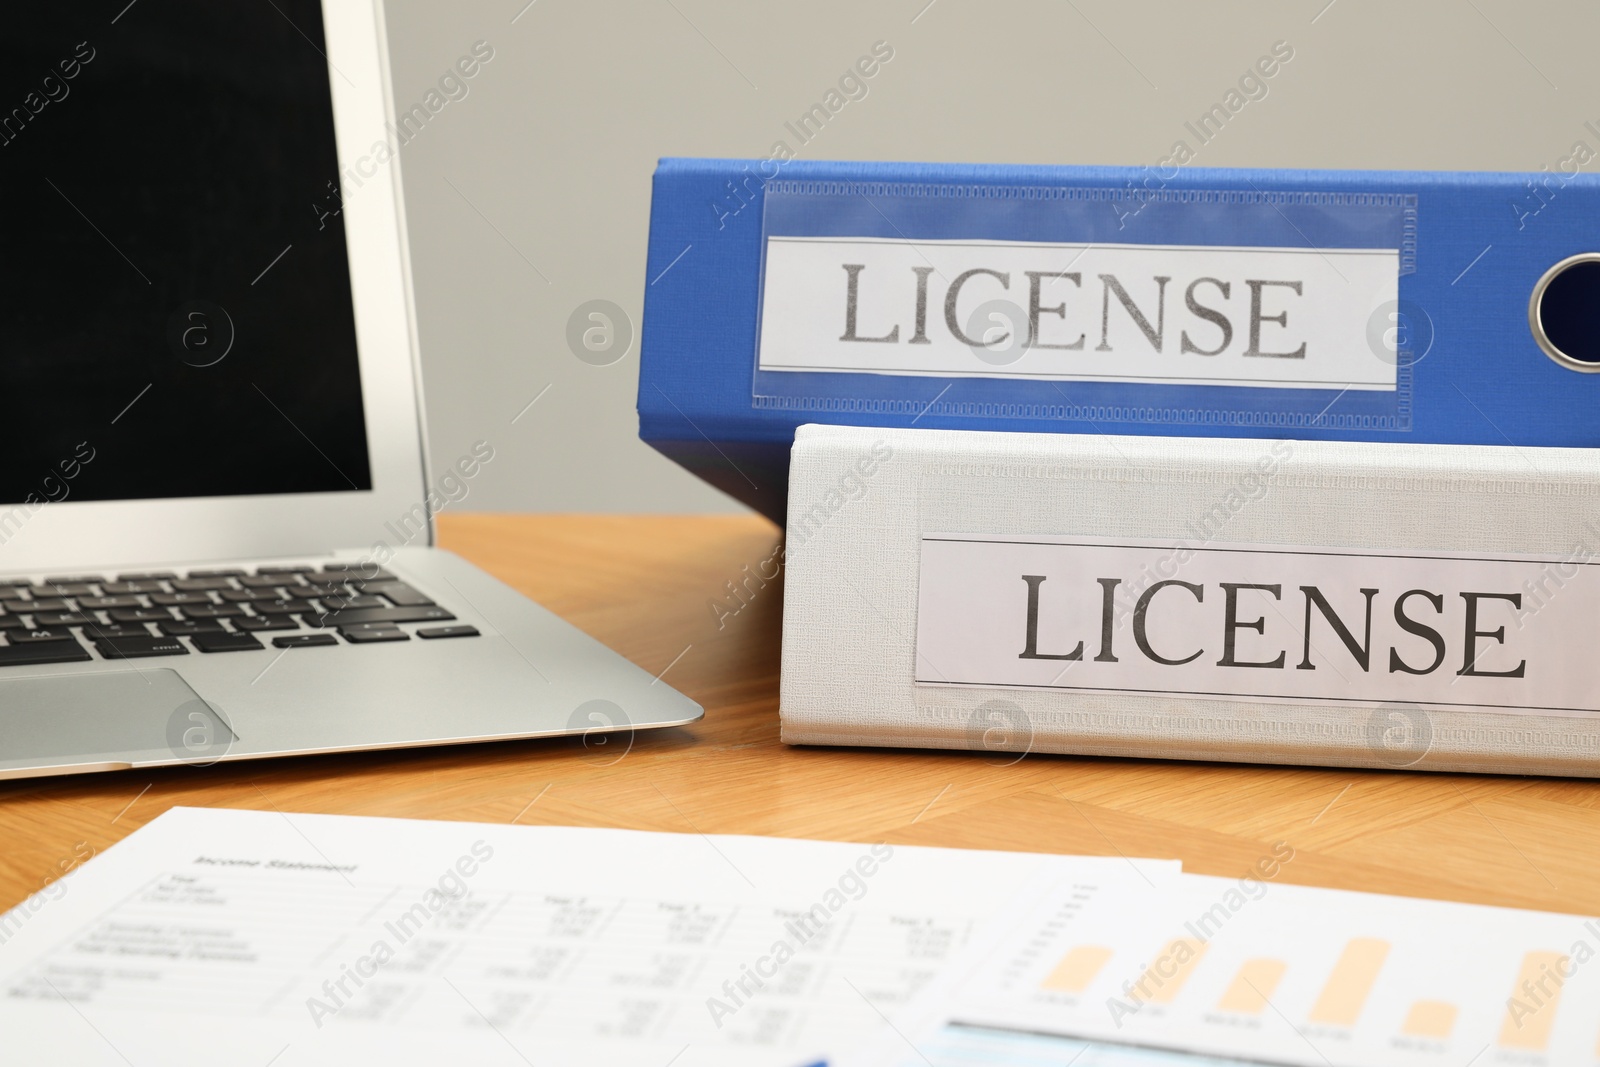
<point x="644" y="586"/>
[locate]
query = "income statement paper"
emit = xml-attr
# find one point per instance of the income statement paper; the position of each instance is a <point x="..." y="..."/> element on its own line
<point x="1259" y="972"/>
<point x="245" y="937"/>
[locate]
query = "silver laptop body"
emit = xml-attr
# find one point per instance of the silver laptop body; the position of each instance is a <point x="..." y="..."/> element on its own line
<point x="216" y="527"/>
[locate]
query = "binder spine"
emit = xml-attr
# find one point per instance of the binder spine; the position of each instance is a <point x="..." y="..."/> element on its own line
<point x="1449" y="355"/>
<point x="860" y="668"/>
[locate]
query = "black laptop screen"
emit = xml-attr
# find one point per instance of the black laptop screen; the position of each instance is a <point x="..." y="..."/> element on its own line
<point x="175" y="312"/>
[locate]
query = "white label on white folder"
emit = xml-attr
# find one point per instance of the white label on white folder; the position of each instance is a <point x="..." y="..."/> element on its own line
<point x="1270" y="623"/>
<point x="1173" y="314"/>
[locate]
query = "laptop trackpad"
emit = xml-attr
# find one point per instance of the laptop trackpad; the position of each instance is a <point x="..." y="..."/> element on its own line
<point x="121" y="717"/>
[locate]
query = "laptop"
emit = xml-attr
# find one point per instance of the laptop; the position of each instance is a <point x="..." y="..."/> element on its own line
<point x="216" y="510"/>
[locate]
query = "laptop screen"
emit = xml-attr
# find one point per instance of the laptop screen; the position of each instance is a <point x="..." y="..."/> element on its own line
<point x="175" y="310"/>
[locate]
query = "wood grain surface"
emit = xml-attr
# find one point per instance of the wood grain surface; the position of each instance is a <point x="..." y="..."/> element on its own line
<point x="644" y="586"/>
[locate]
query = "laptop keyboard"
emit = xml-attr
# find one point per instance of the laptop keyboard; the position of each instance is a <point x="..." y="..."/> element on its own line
<point x="82" y="617"/>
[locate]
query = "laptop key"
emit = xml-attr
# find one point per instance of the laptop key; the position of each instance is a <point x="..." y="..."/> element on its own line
<point x="304" y="640"/>
<point x="397" y="592"/>
<point x="374" y="635"/>
<point x="285" y="570"/>
<point x="139" y="647"/>
<point x="341" y="603"/>
<point x="44" y="603"/>
<point x="266" y="581"/>
<point x="73" y="579"/>
<point x="211" y="611"/>
<point x="367" y="572"/>
<point x="122" y="588"/>
<point x="199" y="585"/>
<point x="67" y="588"/>
<point x="11" y="622"/>
<point x="139" y="614"/>
<point x="147" y="576"/>
<point x="255" y="623"/>
<point x="13" y="592"/>
<point x="281" y="607"/>
<point x="448" y="631"/>
<point x="360" y="582"/>
<point x="96" y="603"/>
<point x="100" y="631"/>
<point x="63" y="618"/>
<point x="38" y="637"/>
<point x="223" y="572"/>
<point x="362" y="615"/>
<point x="185" y="627"/>
<point x="316" y="586"/>
<point x="174" y="599"/>
<point x="221" y="642"/>
<point x="68" y="651"/>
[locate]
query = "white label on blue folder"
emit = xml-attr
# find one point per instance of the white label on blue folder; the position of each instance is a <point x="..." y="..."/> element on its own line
<point x="1263" y="623"/>
<point x="1182" y="315"/>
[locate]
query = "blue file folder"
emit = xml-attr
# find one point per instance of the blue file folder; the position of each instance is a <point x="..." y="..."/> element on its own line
<point x="1354" y="305"/>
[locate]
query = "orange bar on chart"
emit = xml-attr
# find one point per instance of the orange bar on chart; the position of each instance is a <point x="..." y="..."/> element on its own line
<point x="1077" y="969"/>
<point x="1531" y="1008"/>
<point x="1350" y="983"/>
<point x="1430" y="1018"/>
<point x="1248" y="992"/>
<point x="1165" y="977"/>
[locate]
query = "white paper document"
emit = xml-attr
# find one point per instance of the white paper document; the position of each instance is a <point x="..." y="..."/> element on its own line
<point x="1264" y="973"/>
<point x="245" y="938"/>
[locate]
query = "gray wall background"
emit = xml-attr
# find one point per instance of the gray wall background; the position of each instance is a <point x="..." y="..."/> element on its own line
<point x="530" y="195"/>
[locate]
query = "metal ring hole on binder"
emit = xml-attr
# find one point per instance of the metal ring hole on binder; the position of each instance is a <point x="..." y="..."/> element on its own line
<point x="1564" y="312"/>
